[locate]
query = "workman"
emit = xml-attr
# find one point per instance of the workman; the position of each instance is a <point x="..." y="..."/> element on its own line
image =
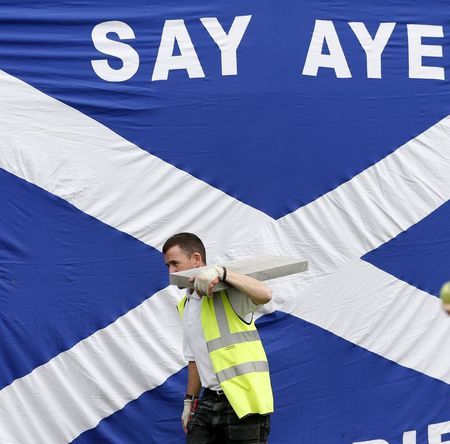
<point x="223" y="349"/>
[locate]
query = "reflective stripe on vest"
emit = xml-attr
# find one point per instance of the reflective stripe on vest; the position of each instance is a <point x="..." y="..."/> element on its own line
<point x="242" y="369"/>
<point x="232" y="338"/>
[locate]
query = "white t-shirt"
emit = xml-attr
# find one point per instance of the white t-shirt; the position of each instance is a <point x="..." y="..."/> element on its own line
<point x="194" y="344"/>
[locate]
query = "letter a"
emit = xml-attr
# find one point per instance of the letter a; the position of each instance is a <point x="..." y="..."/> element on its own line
<point x="324" y="31"/>
<point x="175" y="30"/>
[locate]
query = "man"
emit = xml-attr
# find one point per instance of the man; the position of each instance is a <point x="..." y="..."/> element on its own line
<point x="223" y="350"/>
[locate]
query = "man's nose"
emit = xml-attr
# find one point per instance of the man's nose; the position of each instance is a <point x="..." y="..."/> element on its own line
<point x="172" y="269"/>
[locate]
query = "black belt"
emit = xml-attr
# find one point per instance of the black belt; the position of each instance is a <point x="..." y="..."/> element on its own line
<point x="213" y="393"/>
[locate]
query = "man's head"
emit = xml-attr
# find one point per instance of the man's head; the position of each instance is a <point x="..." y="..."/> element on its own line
<point x="445" y="297"/>
<point x="184" y="251"/>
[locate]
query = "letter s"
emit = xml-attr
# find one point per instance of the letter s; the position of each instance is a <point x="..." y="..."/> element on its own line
<point x="123" y="51"/>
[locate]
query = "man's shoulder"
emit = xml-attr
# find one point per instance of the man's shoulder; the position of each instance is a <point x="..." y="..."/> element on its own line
<point x="241" y="303"/>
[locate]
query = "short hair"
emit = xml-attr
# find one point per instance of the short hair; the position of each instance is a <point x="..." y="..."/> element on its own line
<point x="188" y="242"/>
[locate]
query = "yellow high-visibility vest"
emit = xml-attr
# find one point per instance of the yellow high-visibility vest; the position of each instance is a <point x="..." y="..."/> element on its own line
<point x="237" y="355"/>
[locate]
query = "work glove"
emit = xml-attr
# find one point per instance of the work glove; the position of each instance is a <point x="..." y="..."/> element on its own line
<point x="189" y="408"/>
<point x="207" y="279"/>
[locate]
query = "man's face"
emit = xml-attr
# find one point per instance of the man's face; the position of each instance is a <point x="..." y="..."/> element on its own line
<point x="177" y="259"/>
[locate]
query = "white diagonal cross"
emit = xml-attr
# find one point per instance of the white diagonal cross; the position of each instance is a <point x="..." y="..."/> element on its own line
<point x="332" y="232"/>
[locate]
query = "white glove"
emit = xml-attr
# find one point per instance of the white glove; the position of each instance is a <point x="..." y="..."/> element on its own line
<point x="189" y="408"/>
<point x="207" y="279"/>
<point x="186" y="415"/>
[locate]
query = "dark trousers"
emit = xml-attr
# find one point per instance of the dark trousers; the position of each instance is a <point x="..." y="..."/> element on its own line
<point x="215" y="422"/>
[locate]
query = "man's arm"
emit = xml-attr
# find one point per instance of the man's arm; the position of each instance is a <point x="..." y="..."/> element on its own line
<point x="256" y="290"/>
<point x="193" y="390"/>
<point x="193" y="385"/>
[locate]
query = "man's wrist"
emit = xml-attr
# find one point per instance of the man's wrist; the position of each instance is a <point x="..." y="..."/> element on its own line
<point x="190" y="397"/>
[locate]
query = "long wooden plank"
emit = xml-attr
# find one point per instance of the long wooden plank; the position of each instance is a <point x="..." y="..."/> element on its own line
<point x="262" y="267"/>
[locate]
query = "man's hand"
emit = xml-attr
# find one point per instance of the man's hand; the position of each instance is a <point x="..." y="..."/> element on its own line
<point x="206" y="280"/>
<point x="189" y="408"/>
<point x="186" y="415"/>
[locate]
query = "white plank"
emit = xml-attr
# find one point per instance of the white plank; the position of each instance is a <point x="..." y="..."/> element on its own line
<point x="262" y="267"/>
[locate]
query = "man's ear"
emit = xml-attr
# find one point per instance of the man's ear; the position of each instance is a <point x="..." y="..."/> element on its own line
<point x="197" y="258"/>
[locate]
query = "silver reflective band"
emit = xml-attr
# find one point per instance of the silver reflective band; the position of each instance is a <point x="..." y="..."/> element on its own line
<point x="242" y="369"/>
<point x="232" y="338"/>
<point x="221" y="317"/>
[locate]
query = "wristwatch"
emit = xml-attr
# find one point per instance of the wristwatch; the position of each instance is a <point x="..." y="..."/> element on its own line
<point x="224" y="277"/>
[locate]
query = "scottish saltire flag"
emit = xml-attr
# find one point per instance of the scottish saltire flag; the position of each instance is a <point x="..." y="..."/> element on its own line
<point x="314" y="129"/>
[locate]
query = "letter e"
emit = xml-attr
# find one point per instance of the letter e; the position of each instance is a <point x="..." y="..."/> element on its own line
<point x="416" y="50"/>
